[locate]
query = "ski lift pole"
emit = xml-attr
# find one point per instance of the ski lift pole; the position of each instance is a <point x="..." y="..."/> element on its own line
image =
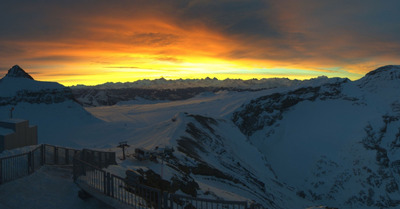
<point x="122" y="145"/>
<point x="162" y="165"/>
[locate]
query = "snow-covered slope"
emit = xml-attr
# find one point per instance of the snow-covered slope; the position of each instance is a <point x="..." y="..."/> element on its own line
<point x="221" y="159"/>
<point x="216" y="156"/>
<point x="336" y="144"/>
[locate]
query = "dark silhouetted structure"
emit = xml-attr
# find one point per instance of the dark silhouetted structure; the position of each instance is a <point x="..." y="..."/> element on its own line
<point x="16" y="133"/>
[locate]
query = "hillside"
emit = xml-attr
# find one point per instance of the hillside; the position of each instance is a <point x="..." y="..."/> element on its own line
<point x="336" y="144"/>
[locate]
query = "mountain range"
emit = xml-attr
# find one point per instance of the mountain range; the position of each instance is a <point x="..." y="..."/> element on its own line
<point x="181" y="89"/>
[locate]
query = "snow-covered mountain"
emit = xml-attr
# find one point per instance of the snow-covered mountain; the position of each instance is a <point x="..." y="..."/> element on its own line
<point x="93" y="97"/>
<point x="172" y="90"/>
<point x="18" y="86"/>
<point x="49" y="105"/>
<point x="336" y="144"/>
<point x="163" y="83"/>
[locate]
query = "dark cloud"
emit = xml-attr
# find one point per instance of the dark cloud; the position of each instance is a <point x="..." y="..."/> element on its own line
<point x="27" y="20"/>
<point x="234" y="17"/>
<point x="334" y="27"/>
<point x="59" y="19"/>
<point x="153" y="39"/>
<point x="57" y="58"/>
<point x="367" y="19"/>
<point x="10" y="50"/>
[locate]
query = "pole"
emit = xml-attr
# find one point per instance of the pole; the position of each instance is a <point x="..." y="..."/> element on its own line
<point x="122" y="145"/>
<point x="11" y="112"/>
<point x="1" y="171"/>
<point x="162" y="166"/>
<point x="123" y="153"/>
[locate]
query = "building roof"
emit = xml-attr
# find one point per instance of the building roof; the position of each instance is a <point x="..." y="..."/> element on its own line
<point x="5" y="131"/>
<point x="12" y="120"/>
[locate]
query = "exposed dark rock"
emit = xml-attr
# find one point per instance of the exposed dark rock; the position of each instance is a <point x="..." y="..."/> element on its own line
<point x="17" y="72"/>
<point x="184" y="183"/>
<point x="44" y="96"/>
<point x="189" y="147"/>
<point x="267" y="110"/>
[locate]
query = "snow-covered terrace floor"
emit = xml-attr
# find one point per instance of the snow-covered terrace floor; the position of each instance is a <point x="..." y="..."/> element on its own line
<point x="49" y="187"/>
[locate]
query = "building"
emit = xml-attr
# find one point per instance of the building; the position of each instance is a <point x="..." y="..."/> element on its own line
<point x="16" y="133"/>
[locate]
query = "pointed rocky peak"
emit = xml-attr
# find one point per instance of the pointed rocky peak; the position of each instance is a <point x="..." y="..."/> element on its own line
<point x="17" y="72"/>
<point x="382" y="74"/>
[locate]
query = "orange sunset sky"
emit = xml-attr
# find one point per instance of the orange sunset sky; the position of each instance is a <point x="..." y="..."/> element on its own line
<point x="98" y="41"/>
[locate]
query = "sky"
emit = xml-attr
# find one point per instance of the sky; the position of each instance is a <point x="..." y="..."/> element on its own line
<point x="97" y="41"/>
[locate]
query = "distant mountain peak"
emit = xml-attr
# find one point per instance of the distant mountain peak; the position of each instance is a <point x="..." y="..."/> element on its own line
<point x="388" y="71"/>
<point x="17" y="72"/>
<point x="382" y="74"/>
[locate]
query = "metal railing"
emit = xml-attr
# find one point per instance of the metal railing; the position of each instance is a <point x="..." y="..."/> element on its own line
<point x="54" y="155"/>
<point x="87" y="169"/>
<point x="17" y="166"/>
<point x="138" y="196"/>
<point x="141" y="196"/>
<point x="183" y="202"/>
<point x="100" y="159"/>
